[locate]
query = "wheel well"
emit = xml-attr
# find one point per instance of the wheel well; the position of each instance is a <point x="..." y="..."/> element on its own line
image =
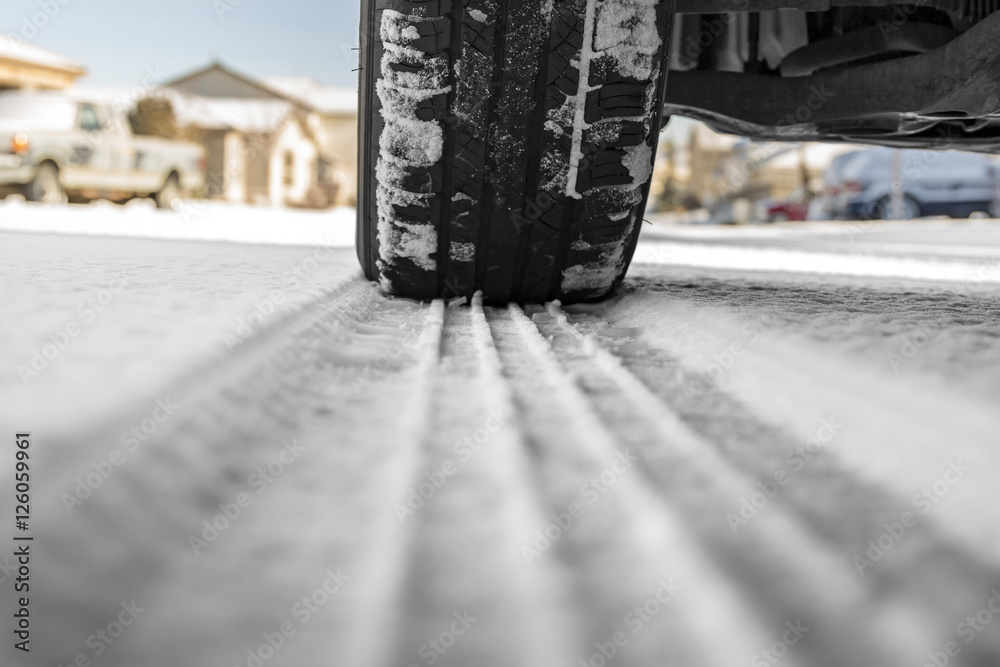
<point x="29" y="188"/>
<point x="906" y="195"/>
<point x="886" y="199"/>
<point x="41" y="165"/>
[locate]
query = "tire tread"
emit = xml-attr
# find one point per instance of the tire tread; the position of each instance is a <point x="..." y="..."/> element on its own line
<point x="506" y="218"/>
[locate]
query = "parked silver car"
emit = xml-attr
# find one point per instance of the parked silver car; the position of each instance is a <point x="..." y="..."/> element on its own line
<point x="859" y="185"/>
<point x="57" y="145"/>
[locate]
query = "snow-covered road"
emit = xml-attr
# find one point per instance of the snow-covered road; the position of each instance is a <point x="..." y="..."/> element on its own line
<point x="791" y="462"/>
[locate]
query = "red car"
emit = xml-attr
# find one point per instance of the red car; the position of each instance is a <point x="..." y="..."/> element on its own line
<point x="784" y="211"/>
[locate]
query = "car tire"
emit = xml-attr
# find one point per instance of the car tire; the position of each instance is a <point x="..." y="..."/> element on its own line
<point x="170" y="192"/>
<point x="883" y="210"/>
<point x="506" y="145"/>
<point x="46" y="188"/>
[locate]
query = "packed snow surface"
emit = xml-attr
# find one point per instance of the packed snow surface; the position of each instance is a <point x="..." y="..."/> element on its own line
<point x="192" y="221"/>
<point x="721" y="445"/>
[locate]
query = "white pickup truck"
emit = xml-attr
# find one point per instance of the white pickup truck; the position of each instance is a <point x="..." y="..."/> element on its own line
<point x="57" y="146"/>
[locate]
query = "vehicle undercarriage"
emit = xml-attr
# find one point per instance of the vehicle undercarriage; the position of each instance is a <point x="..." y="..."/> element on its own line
<point x="882" y="72"/>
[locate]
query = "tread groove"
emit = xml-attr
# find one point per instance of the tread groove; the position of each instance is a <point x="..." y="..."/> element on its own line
<point x="450" y="155"/>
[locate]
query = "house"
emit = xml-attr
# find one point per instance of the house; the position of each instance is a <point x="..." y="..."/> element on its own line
<point x="24" y="65"/>
<point x="275" y="141"/>
<point x="334" y="123"/>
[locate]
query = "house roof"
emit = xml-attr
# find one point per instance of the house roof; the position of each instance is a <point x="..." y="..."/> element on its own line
<point x="285" y="95"/>
<point x="316" y="95"/>
<point x="222" y="113"/>
<point x="305" y="92"/>
<point x="12" y="48"/>
<point x="103" y="94"/>
<point x="219" y="67"/>
<point x="207" y="113"/>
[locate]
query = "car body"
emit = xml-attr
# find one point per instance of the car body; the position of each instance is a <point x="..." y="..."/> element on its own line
<point x="738" y="211"/>
<point x="795" y="208"/>
<point x="878" y="72"/>
<point x="825" y="205"/>
<point x="90" y="148"/>
<point x="932" y="183"/>
<point x="786" y="211"/>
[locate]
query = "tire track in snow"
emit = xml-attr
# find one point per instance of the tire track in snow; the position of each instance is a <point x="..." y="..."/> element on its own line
<point x="133" y="534"/>
<point x="903" y="429"/>
<point x="622" y="544"/>
<point x="373" y="607"/>
<point x="463" y="511"/>
<point x="897" y="440"/>
<point x="798" y="580"/>
<point x="572" y="406"/>
<point x="844" y="510"/>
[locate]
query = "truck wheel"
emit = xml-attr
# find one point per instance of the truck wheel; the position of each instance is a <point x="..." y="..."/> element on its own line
<point x="46" y="187"/>
<point x="171" y="191"/>
<point x="507" y="145"/>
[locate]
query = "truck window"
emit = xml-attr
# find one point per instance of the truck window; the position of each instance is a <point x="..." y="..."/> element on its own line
<point x="89" y="122"/>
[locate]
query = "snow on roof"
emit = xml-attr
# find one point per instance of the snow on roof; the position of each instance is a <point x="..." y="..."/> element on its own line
<point x="12" y="48"/>
<point x="105" y="94"/>
<point x="316" y="95"/>
<point x="228" y="113"/>
<point x="216" y="113"/>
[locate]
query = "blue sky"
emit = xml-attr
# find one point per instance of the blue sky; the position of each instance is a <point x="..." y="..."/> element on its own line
<point x="117" y="40"/>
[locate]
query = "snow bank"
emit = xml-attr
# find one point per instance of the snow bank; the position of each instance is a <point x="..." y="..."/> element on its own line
<point x="817" y="263"/>
<point x="195" y="221"/>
